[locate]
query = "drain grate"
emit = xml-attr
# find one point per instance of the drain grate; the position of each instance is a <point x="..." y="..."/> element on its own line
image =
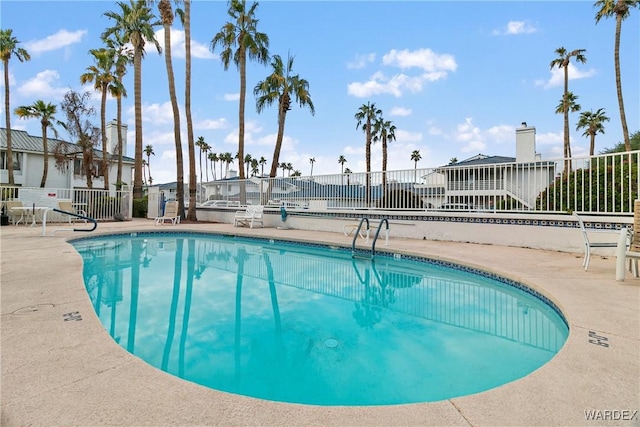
<point x="331" y="343"/>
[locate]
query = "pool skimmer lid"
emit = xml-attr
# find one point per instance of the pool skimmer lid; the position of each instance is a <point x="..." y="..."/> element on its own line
<point x="331" y="343"/>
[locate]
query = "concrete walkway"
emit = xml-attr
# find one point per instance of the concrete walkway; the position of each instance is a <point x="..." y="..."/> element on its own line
<point x="61" y="373"/>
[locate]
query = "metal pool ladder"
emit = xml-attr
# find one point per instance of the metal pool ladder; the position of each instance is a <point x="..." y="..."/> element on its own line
<point x="375" y="238"/>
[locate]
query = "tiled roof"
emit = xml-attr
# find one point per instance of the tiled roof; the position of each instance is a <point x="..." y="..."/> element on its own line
<point x="22" y="141"/>
<point x="483" y="160"/>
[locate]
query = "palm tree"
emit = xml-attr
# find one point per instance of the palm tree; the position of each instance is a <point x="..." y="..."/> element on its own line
<point x="342" y="160"/>
<point x="312" y="161"/>
<point x="296" y="173"/>
<point x="186" y="22"/>
<point x="227" y="158"/>
<point x="247" y="162"/>
<point x="8" y="49"/>
<point x="283" y="166"/>
<point x="592" y="123"/>
<point x="453" y="160"/>
<point x="262" y="162"/>
<point x="348" y="172"/>
<point x="415" y="158"/>
<point x="280" y="86"/>
<point x="241" y="34"/>
<point x="101" y="74"/>
<point x="562" y="61"/>
<point x="367" y="114"/>
<point x="254" y="167"/>
<point x="44" y="112"/>
<point x="148" y="151"/>
<point x="123" y="56"/>
<point x="289" y="168"/>
<point x="166" y="15"/>
<point x="200" y="143"/>
<point x="568" y="104"/>
<point x="385" y="131"/>
<point x="213" y="158"/>
<point x="619" y="8"/>
<point x="135" y="24"/>
<point x="144" y="170"/>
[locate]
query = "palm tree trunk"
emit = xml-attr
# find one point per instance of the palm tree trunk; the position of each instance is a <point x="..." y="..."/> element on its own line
<point x="119" y="114"/>
<point x="103" y="125"/>
<point x="384" y="166"/>
<point x="191" y="215"/>
<point x="137" y="77"/>
<point x="45" y="153"/>
<point x="7" y="112"/>
<point x="593" y="143"/>
<point x="567" y="148"/>
<point x="176" y="120"/>
<point x="368" y="159"/>
<point x="243" y="95"/>
<point x="616" y="56"/>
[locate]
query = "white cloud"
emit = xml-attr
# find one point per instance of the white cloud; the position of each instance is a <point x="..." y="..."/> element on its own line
<point x="436" y="67"/>
<point x="549" y="138"/>
<point x="361" y="60"/>
<point x="43" y="86"/>
<point x="501" y="133"/>
<point x="211" y="124"/>
<point x="381" y="84"/>
<point x="158" y="113"/>
<point x="470" y="135"/>
<point x="516" y="27"/>
<point x="62" y="38"/>
<point x="403" y="136"/>
<point x="400" y="111"/>
<point x="231" y="96"/>
<point x="557" y="76"/>
<point x="198" y="50"/>
<point x="422" y="58"/>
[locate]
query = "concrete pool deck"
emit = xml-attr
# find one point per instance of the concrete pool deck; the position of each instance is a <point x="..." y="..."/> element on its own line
<point x="71" y="373"/>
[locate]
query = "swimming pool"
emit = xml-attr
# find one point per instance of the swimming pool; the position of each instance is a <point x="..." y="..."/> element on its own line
<point x="309" y="323"/>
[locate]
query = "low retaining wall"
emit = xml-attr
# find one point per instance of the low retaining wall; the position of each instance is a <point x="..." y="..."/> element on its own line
<point x="551" y="232"/>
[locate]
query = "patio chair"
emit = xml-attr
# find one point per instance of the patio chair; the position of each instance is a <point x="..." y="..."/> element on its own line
<point x="251" y="216"/>
<point x="170" y="213"/>
<point x="67" y="206"/>
<point x="588" y="244"/>
<point x="15" y="215"/>
<point x="632" y="252"/>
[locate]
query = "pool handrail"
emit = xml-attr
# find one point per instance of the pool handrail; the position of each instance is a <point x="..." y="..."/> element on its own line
<point x="373" y="245"/>
<point x="355" y="236"/>
<point x="44" y="220"/>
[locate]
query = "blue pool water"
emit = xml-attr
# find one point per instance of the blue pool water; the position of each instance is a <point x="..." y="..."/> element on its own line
<point x="311" y="324"/>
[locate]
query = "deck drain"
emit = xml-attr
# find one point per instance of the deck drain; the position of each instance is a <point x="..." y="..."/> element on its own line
<point x="331" y="343"/>
<point x="33" y="308"/>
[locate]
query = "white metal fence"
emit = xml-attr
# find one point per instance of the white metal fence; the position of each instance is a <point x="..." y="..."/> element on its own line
<point x="101" y="205"/>
<point x="606" y="184"/>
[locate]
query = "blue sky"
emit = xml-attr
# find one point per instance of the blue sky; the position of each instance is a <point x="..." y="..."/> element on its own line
<point x="456" y="78"/>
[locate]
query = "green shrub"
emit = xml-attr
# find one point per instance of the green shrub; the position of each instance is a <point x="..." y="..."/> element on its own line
<point x="140" y="207"/>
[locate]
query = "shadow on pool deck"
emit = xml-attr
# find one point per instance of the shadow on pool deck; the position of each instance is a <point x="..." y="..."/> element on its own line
<point x="57" y="372"/>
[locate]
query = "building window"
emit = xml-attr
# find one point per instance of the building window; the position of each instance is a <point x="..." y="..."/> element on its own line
<point x="78" y="168"/>
<point x="17" y="160"/>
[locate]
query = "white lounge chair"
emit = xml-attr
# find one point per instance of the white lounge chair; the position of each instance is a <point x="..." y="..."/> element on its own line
<point x="588" y="244"/>
<point x="629" y="249"/>
<point x="250" y="216"/>
<point x="67" y="206"/>
<point x="170" y="214"/>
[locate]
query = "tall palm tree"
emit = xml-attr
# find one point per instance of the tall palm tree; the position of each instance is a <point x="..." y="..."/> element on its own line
<point x="206" y="150"/>
<point x="296" y="173"/>
<point x="247" y="162"/>
<point x="186" y="22"/>
<point x="283" y="166"/>
<point x="592" y="123"/>
<point x="123" y="56"/>
<point x="348" y="172"/>
<point x="254" y="167"/>
<point x="144" y="172"/>
<point x="227" y="159"/>
<point x="241" y="34"/>
<point x="342" y="160"/>
<point x="8" y="49"/>
<point x="148" y="151"/>
<point x="281" y="86"/>
<point x="200" y="143"/>
<point x="367" y="114"/>
<point x="619" y="9"/>
<point x="262" y="162"/>
<point x="568" y="104"/>
<point x="562" y="61"/>
<point x="102" y="75"/>
<point x="289" y="168"/>
<point x="415" y="158"/>
<point x="384" y="131"/>
<point x="166" y="15"/>
<point x="213" y="158"/>
<point x="312" y="160"/>
<point x="135" y="24"/>
<point x="44" y="112"/>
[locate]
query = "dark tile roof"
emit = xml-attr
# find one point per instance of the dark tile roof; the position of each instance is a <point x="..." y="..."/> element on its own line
<point x="484" y="160"/>
<point x="23" y="142"/>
